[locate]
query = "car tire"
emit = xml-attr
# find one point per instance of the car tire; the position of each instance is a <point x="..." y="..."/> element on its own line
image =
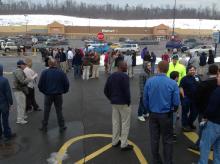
<point x="7" y="50"/>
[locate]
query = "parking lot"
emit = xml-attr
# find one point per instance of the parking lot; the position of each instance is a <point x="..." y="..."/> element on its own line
<point x="88" y="117"/>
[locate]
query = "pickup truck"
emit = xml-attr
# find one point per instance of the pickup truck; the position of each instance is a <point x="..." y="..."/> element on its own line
<point x="10" y="46"/>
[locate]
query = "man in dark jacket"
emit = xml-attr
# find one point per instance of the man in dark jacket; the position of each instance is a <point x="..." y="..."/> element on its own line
<point x="188" y="87"/>
<point x="53" y="83"/>
<point x="117" y="90"/>
<point x="5" y="103"/>
<point x="202" y="63"/>
<point x="203" y="93"/>
<point x="211" y="128"/>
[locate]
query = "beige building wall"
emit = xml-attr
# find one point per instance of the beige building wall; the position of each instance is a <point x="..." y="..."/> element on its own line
<point x="20" y="29"/>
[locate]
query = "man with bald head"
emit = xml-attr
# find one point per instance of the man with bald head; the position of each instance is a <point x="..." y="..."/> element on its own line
<point x="53" y="83"/>
<point x="117" y="90"/>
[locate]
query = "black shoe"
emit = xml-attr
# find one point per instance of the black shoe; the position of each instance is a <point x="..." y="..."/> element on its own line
<point x="37" y="109"/>
<point x="186" y="129"/>
<point x="62" y="129"/>
<point x="43" y="129"/>
<point x="117" y="145"/>
<point x="12" y="136"/>
<point x="127" y="148"/>
<point x="194" y="147"/>
<point x="193" y="127"/>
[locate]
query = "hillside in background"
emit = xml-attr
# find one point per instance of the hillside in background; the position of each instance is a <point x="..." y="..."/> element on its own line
<point x="108" y="11"/>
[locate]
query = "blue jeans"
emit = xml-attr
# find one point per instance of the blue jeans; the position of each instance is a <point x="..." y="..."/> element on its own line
<point x="4" y="125"/>
<point x="141" y="109"/>
<point x="210" y="136"/>
<point x="188" y="106"/>
<point x="77" y="71"/>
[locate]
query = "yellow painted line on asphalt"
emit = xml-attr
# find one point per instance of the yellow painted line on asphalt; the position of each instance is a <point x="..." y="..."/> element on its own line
<point x="198" y="153"/>
<point x="95" y="154"/>
<point x="192" y="136"/>
<point x="67" y="144"/>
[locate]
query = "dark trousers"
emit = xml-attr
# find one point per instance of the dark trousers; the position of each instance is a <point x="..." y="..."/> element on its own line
<point x="161" y="124"/>
<point x="30" y="100"/>
<point x="141" y="109"/>
<point x="58" y="101"/>
<point x="4" y="124"/>
<point x="189" y="112"/>
<point x="77" y="71"/>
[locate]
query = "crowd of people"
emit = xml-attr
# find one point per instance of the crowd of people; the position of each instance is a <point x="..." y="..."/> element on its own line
<point x="173" y="87"/>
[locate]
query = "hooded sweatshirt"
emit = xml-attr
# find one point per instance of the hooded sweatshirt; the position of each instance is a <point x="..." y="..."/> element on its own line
<point x="5" y="92"/>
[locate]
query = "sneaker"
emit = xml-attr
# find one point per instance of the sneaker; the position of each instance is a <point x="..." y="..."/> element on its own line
<point x="29" y="111"/>
<point x="117" y="145"/>
<point x="127" y="148"/>
<point x="22" y="122"/>
<point x="25" y="116"/>
<point x="146" y="115"/>
<point x="141" y="118"/>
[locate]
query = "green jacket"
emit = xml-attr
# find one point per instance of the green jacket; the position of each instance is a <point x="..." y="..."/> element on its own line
<point x="179" y="68"/>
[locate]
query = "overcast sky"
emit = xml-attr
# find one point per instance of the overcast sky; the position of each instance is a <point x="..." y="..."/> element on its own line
<point x="187" y="3"/>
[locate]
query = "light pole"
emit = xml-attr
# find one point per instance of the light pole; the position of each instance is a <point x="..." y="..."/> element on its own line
<point x="174" y="17"/>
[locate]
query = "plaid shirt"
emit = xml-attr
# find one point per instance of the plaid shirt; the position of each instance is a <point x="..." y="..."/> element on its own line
<point x="142" y="80"/>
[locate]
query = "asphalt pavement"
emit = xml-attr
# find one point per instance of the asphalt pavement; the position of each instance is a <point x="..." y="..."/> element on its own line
<point x="87" y="113"/>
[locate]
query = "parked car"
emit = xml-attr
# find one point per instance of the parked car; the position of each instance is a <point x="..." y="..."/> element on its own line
<point x="173" y="43"/>
<point x="99" y="47"/>
<point x="130" y="47"/>
<point x="115" y="45"/>
<point x="202" y="48"/>
<point x="11" y="46"/>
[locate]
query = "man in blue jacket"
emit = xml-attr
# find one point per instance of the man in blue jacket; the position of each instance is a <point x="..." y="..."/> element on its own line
<point x="161" y="96"/>
<point x="53" y="83"/>
<point x="117" y="90"/>
<point x="5" y="104"/>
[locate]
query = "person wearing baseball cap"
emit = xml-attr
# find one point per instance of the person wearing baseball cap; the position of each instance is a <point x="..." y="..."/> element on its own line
<point x="176" y="66"/>
<point x="20" y="90"/>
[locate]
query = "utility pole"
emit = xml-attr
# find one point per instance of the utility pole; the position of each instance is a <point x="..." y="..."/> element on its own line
<point x="174" y="17"/>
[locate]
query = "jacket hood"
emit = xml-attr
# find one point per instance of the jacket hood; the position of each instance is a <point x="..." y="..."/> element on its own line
<point x="1" y="70"/>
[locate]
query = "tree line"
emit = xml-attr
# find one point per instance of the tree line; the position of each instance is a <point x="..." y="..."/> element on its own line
<point x="108" y="11"/>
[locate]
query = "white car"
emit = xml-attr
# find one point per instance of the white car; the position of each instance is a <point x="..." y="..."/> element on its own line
<point x="130" y="47"/>
<point x="202" y="48"/>
<point x="10" y="46"/>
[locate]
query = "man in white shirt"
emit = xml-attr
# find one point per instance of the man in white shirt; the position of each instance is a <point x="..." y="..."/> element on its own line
<point x="30" y="97"/>
<point x="70" y="55"/>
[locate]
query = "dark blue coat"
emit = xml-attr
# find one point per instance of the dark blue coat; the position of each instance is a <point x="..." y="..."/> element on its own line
<point x="5" y="92"/>
<point x="53" y="81"/>
<point x="117" y="89"/>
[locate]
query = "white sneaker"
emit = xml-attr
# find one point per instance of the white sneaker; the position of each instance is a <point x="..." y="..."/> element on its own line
<point x="22" y="122"/>
<point x="141" y="118"/>
<point x="146" y="115"/>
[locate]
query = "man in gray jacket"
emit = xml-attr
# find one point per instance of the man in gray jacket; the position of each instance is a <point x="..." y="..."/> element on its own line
<point x="20" y="89"/>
